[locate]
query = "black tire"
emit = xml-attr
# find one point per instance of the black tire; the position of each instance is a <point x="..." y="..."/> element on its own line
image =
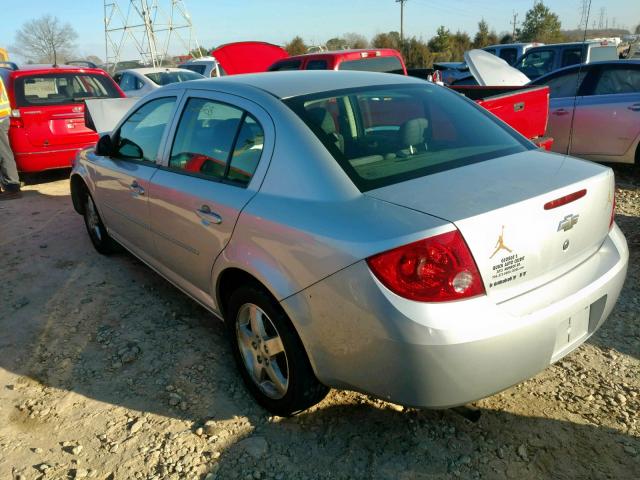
<point x="303" y="388"/>
<point x="100" y="239"/>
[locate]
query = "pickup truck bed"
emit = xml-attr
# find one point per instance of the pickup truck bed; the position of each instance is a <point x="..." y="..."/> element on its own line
<point x="524" y="108"/>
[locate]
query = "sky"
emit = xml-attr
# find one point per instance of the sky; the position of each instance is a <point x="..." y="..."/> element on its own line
<point x="222" y="21"/>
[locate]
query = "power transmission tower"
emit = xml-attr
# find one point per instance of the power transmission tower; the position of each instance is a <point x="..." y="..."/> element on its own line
<point x="401" y="2"/>
<point x="603" y="12"/>
<point x="150" y="27"/>
<point x="584" y="7"/>
<point x="514" y="23"/>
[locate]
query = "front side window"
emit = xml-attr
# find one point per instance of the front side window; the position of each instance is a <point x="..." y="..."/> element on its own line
<point x="618" y="80"/>
<point x="386" y="135"/>
<point x="62" y="88"/>
<point x="217" y="141"/>
<point x="536" y="64"/>
<point x="373" y="64"/>
<point x="565" y="85"/>
<point x="140" y="135"/>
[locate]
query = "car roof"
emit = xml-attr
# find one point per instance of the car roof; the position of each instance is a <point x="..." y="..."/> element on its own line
<point x="144" y="71"/>
<point x="587" y="65"/>
<point x="48" y="68"/>
<point x="289" y="84"/>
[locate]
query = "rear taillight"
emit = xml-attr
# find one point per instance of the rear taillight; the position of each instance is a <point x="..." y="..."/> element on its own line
<point x="436" y="269"/>
<point x="15" y="119"/>
<point x="613" y="212"/>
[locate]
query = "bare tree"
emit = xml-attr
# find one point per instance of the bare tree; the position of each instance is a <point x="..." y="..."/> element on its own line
<point x="45" y="39"/>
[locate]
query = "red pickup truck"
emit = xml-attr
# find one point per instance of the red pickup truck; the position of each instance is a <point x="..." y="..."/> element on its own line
<point x="526" y="109"/>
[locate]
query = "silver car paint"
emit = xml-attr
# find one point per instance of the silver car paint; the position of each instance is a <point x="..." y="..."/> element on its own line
<point x="305" y="232"/>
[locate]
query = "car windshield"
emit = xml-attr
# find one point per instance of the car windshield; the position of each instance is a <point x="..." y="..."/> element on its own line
<point x="62" y="88"/>
<point x="386" y="135"/>
<point x="165" y="78"/>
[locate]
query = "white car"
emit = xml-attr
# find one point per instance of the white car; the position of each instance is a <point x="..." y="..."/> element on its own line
<point x="207" y="66"/>
<point x="140" y="81"/>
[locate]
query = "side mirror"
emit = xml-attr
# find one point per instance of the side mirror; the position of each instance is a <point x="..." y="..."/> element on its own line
<point x="104" y="148"/>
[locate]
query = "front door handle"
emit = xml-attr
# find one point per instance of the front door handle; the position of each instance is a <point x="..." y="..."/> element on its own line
<point x="208" y="216"/>
<point x="560" y="112"/>
<point x="136" y="188"/>
<point x="635" y="107"/>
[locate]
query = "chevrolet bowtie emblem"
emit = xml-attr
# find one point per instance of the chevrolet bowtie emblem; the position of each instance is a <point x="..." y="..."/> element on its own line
<point x="568" y="222"/>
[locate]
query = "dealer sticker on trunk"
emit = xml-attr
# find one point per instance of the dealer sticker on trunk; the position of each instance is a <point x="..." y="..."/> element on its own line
<point x="510" y="266"/>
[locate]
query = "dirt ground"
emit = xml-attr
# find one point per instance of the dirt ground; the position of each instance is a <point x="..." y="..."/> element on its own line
<point x="109" y="372"/>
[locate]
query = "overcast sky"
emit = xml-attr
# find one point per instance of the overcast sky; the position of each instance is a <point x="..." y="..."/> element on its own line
<point x="276" y="21"/>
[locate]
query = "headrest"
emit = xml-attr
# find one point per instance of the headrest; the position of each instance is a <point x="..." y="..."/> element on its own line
<point x="412" y="131"/>
<point x="323" y="119"/>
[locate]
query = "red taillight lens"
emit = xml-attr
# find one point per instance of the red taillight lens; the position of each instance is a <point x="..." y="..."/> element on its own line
<point x="613" y="212"/>
<point x="436" y="269"/>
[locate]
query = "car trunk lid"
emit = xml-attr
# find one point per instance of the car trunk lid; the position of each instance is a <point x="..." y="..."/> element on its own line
<point x="499" y="207"/>
<point x="56" y="125"/>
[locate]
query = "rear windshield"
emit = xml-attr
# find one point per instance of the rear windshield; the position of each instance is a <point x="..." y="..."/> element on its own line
<point x="165" y="78"/>
<point x="62" y="88"/>
<point x="373" y="64"/>
<point x="385" y="135"/>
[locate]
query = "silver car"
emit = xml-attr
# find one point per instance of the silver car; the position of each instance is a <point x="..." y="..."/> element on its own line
<point x="594" y="111"/>
<point x="359" y="230"/>
<point x="137" y="82"/>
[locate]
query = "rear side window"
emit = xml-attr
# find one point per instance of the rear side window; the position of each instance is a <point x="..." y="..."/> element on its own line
<point x="317" y="65"/>
<point x="571" y="56"/>
<point x="62" y="88"/>
<point x="166" y="78"/>
<point x="618" y="80"/>
<point x="284" y="66"/>
<point x="373" y="64"/>
<point x="492" y="51"/>
<point x="217" y="141"/>
<point x="381" y="136"/>
<point x="509" y="55"/>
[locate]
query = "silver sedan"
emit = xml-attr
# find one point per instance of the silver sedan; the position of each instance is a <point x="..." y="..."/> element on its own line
<point x="359" y="230"/>
<point x="594" y="111"/>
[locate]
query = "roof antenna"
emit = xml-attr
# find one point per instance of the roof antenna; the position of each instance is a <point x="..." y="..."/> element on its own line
<point x="578" y="80"/>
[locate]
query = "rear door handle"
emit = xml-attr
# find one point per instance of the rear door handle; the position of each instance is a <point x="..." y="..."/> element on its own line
<point x="635" y="107"/>
<point x="136" y="188"/>
<point x="208" y="216"/>
<point x="560" y="112"/>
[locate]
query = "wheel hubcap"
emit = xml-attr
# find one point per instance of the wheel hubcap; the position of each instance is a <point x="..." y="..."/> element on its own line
<point x="92" y="219"/>
<point x="262" y="351"/>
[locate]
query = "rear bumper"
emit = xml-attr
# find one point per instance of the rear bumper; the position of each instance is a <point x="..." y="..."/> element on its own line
<point x="37" y="161"/>
<point x="361" y="336"/>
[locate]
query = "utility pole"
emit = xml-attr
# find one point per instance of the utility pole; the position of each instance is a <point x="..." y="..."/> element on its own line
<point x="514" y="23"/>
<point x="401" y="2"/>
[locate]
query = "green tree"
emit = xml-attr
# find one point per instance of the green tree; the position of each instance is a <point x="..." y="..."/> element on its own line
<point x="416" y="53"/>
<point x="336" y="43"/>
<point x="460" y="43"/>
<point x="200" y="52"/>
<point x="441" y="45"/>
<point x="637" y="29"/>
<point x="386" y="40"/>
<point x="540" y="25"/>
<point x="484" y="36"/>
<point x="507" y="38"/>
<point x="355" y="40"/>
<point x="296" y="46"/>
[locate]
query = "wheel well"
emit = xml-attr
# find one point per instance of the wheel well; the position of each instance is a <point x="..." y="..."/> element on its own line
<point x="229" y="280"/>
<point x="78" y="193"/>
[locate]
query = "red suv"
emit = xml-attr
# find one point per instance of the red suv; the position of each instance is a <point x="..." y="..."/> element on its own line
<point x="371" y="60"/>
<point x="47" y="112"/>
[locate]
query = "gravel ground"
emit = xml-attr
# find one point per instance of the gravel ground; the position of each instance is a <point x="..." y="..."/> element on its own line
<point x="109" y="372"/>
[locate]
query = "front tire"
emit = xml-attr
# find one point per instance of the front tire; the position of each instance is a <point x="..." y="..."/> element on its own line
<point x="270" y="356"/>
<point x="100" y="239"/>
